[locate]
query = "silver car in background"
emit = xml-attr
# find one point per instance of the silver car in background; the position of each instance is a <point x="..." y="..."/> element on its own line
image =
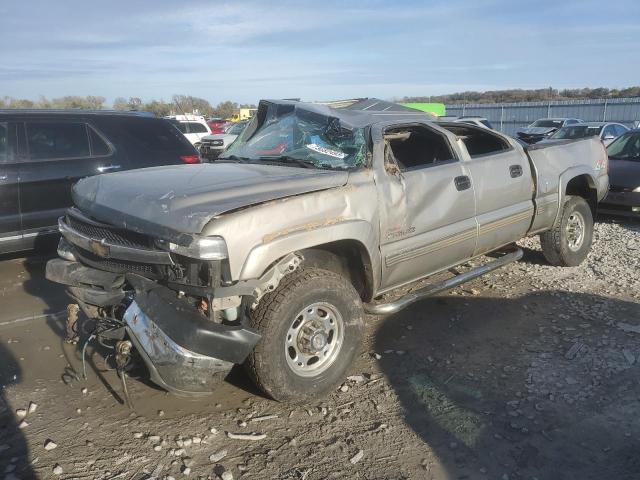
<point x="607" y="131"/>
<point x="544" y="128"/>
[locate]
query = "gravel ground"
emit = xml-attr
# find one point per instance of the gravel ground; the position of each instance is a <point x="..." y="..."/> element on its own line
<point x="529" y="372"/>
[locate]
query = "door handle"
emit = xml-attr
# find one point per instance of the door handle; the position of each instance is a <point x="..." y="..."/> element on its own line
<point x="108" y="168"/>
<point x="462" y="182"/>
<point x="515" y="171"/>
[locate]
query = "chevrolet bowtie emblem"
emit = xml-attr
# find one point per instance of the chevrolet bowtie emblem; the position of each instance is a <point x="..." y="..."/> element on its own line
<point x="99" y="248"/>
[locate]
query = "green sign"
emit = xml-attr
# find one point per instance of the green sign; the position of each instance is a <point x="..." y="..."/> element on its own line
<point x="435" y="108"/>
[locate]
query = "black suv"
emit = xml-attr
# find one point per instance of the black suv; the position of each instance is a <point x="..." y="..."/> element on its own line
<point x="43" y="152"/>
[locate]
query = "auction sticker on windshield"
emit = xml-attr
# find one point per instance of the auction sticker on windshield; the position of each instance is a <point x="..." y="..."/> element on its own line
<point x="326" y="151"/>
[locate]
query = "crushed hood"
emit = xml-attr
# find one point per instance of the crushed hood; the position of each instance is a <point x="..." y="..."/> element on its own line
<point x="181" y="199"/>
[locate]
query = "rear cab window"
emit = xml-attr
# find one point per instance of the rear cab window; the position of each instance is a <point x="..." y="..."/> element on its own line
<point x="477" y="140"/>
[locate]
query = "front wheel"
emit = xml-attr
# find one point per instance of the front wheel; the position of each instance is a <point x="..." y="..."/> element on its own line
<point x="568" y="242"/>
<point x="312" y="327"/>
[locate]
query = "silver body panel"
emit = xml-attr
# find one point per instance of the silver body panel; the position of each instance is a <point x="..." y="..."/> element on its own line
<point x="410" y="224"/>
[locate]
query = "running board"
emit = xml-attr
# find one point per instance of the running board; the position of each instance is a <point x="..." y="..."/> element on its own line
<point x="408" y="299"/>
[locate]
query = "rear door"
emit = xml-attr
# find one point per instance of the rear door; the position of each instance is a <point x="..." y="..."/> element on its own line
<point x="10" y="225"/>
<point x="60" y="152"/>
<point x="427" y="205"/>
<point x="503" y="187"/>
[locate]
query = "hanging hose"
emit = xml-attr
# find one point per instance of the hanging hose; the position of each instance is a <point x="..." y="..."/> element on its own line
<point x="123" y="356"/>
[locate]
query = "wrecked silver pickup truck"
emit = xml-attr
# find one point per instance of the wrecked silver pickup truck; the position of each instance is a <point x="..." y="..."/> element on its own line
<point x="272" y="256"/>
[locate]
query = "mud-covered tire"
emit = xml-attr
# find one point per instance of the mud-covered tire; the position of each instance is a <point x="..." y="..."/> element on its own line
<point x="561" y="245"/>
<point x="272" y="364"/>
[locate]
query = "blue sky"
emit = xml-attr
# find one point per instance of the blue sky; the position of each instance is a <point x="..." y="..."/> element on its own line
<point x="244" y="51"/>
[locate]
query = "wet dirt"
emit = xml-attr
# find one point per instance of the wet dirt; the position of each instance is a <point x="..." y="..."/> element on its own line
<point x="529" y="372"/>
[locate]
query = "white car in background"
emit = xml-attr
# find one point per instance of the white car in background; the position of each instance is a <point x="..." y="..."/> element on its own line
<point x="212" y="146"/>
<point x="194" y="127"/>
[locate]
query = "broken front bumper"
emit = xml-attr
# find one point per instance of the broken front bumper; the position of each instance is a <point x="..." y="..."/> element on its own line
<point x="171" y="366"/>
<point x="185" y="352"/>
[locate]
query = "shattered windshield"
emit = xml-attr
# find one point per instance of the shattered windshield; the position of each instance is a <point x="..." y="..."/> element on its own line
<point x="300" y="138"/>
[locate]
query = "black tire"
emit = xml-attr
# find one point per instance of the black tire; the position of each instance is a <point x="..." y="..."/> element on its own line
<point x="558" y="246"/>
<point x="277" y="312"/>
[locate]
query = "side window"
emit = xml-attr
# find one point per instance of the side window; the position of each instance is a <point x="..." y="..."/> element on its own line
<point x="416" y="147"/>
<point x="620" y="130"/>
<point x="51" y="140"/>
<point x="609" y="131"/>
<point x="478" y="141"/>
<point x="197" y="128"/>
<point x="99" y="147"/>
<point x="571" y="121"/>
<point x="153" y="134"/>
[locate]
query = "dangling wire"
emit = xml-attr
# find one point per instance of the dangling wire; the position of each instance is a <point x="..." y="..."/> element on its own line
<point x="84" y="350"/>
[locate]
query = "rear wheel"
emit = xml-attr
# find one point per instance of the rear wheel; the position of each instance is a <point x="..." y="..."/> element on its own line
<point x="312" y="327"/>
<point x="568" y="243"/>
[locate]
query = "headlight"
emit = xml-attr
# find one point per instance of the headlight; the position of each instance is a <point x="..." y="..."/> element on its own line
<point x="203" y="248"/>
<point x="636" y="190"/>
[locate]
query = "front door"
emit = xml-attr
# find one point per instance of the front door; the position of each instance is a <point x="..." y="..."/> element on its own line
<point x="427" y="205"/>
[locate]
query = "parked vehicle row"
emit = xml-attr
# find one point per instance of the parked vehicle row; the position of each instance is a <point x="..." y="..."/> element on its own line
<point x="44" y="152"/>
<point x="606" y="131"/>
<point x="544" y="128"/>
<point x="271" y="256"/>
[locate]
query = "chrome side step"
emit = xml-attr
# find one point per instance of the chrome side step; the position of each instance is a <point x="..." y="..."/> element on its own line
<point x="429" y="290"/>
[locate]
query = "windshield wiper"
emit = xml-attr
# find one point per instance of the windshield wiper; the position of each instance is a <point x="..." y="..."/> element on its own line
<point x="283" y="159"/>
<point x="235" y="158"/>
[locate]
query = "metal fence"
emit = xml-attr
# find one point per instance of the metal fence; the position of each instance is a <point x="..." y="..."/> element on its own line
<point x="509" y="117"/>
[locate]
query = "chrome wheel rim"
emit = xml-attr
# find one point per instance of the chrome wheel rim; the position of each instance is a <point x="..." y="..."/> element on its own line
<point x="314" y="339"/>
<point x="575" y="231"/>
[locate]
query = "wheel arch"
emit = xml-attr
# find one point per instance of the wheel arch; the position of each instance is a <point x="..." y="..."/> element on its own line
<point x="578" y="182"/>
<point x="347" y="248"/>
